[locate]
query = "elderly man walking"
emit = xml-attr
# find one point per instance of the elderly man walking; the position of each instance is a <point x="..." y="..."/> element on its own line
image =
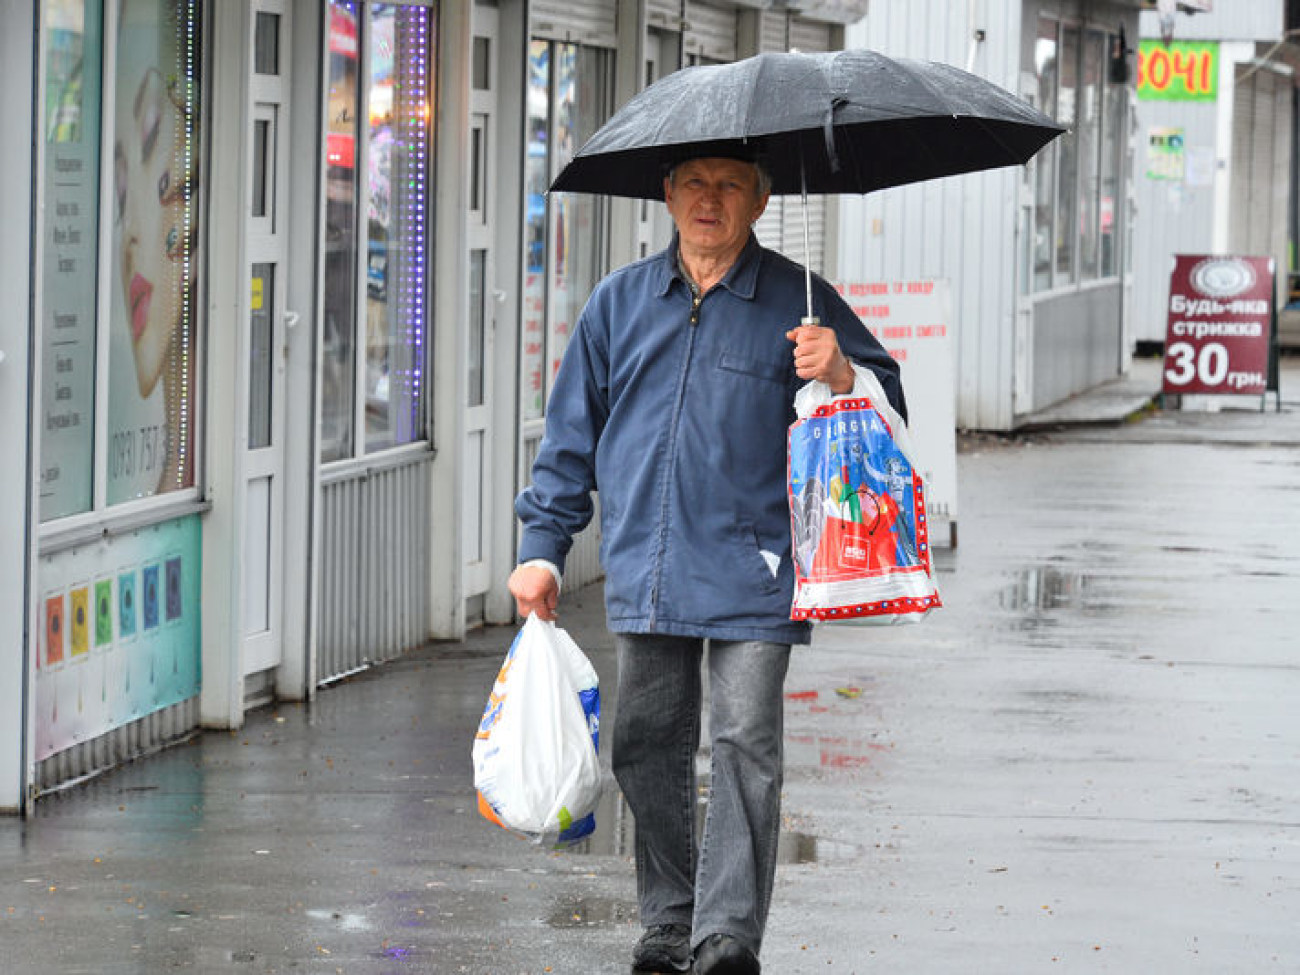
<point x="673" y="401"/>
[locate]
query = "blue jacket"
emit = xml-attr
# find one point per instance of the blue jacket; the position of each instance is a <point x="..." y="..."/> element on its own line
<point x="678" y="415"/>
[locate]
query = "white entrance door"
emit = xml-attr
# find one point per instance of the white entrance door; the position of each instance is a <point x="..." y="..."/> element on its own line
<point x="485" y="298"/>
<point x="265" y="341"/>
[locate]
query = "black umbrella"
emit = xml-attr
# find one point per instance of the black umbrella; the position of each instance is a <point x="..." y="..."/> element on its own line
<point x="843" y="122"/>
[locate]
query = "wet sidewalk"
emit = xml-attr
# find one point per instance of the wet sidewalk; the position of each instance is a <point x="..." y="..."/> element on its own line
<point x="1089" y="760"/>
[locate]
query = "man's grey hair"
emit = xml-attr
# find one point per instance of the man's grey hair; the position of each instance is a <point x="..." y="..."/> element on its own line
<point x="764" y="177"/>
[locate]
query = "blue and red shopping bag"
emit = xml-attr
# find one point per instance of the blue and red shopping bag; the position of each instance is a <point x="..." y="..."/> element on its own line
<point x="857" y="509"/>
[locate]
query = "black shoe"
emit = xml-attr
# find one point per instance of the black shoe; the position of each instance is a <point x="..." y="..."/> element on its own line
<point x="721" y="954"/>
<point x="664" y="948"/>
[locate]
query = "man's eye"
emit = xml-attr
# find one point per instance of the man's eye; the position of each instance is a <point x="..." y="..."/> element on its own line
<point x="164" y="184"/>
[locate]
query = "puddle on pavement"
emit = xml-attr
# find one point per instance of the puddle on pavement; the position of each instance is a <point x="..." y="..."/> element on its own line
<point x="1048" y="588"/>
<point x="588" y="912"/>
<point x="616" y="833"/>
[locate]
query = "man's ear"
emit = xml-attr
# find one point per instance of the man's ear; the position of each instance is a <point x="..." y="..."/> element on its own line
<point x="668" y="188"/>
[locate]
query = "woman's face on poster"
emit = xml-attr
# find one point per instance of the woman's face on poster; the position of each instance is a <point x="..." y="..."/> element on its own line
<point x="155" y="231"/>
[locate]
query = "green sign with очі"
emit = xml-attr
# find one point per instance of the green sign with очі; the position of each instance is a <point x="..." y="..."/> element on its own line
<point x="1182" y="71"/>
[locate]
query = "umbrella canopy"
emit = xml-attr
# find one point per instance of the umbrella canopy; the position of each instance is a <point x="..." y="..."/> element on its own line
<point x="843" y="122"/>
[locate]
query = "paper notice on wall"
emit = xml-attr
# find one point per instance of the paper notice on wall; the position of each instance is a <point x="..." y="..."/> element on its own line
<point x="913" y="321"/>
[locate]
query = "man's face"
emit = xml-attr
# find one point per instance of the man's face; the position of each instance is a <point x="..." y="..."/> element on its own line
<point x="714" y="202"/>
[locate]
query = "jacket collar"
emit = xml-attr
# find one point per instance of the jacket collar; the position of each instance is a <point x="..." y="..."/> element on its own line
<point x="741" y="278"/>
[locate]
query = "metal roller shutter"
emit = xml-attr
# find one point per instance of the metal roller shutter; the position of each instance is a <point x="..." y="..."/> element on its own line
<point x="773" y="31"/>
<point x="664" y="13"/>
<point x="710" y="31"/>
<point x="809" y="36"/>
<point x="593" y="22"/>
<point x="781" y="227"/>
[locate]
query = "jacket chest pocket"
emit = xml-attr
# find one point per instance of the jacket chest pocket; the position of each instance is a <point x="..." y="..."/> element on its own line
<point x="773" y="372"/>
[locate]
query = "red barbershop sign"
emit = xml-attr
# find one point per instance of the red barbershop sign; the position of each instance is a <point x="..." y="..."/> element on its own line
<point x="1220" y="314"/>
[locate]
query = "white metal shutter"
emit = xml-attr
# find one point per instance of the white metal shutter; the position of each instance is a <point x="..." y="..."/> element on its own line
<point x="782" y="226"/>
<point x="664" y="13"/>
<point x="710" y="31"/>
<point x="593" y="22"/>
<point x="809" y="36"/>
<point x="774" y="31"/>
<point x="773" y="35"/>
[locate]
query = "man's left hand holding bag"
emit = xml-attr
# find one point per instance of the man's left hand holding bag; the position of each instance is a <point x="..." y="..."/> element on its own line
<point x="536" y="588"/>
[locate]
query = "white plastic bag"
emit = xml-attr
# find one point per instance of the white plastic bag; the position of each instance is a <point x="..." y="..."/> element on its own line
<point x="535" y="763"/>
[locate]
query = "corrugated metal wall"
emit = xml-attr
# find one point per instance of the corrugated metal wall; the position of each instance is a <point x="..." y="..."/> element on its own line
<point x="1174" y="216"/>
<point x="374" y="563"/>
<point x="1261" y="166"/>
<point x="1230" y="20"/>
<point x="1066" y="357"/>
<point x="961" y="228"/>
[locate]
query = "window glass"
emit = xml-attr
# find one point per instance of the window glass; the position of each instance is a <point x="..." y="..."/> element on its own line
<point x="152" y="355"/>
<point x="1045" y="66"/>
<point x="399" y="146"/>
<point x="577" y="219"/>
<point x="536" y="179"/>
<point x="565" y="234"/>
<point x="338" y="355"/>
<point x="1067" y="113"/>
<point x="378" y="213"/>
<point x="70" y="56"/>
<point x="261" y="355"/>
<point x="1089" y="142"/>
<point x="477" y="365"/>
<point x="1112" y="142"/>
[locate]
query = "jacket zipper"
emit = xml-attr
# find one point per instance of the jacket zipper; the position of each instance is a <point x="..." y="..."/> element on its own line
<point x="673" y="428"/>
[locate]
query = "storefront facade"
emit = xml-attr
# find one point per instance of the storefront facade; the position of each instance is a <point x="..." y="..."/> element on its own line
<point x="289" y="318"/>
<point x="1217" y="165"/>
<point x="1037" y="256"/>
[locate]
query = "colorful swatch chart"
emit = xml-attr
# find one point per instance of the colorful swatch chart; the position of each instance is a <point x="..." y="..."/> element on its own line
<point x="121" y="632"/>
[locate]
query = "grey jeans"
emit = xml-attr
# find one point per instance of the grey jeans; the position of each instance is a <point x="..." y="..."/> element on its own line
<point x="725" y="885"/>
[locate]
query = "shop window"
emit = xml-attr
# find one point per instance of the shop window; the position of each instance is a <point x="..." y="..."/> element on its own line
<point x="70" y="55"/>
<point x="379" y="164"/>
<point x="147" y="355"/>
<point x="1045" y="67"/>
<point x="570" y="94"/>
<point x="1067" y="166"/>
<point x="1077" y="179"/>
<point x="1110" y="206"/>
<point x="1088" y="127"/>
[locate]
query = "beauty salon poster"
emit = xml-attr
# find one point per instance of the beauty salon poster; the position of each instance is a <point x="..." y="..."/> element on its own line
<point x="153" y="344"/>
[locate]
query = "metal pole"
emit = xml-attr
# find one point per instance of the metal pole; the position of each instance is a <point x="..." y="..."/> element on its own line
<point x="809" y="318"/>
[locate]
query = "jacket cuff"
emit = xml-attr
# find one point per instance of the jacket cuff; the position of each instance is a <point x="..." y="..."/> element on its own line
<point x="534" y="546"/>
